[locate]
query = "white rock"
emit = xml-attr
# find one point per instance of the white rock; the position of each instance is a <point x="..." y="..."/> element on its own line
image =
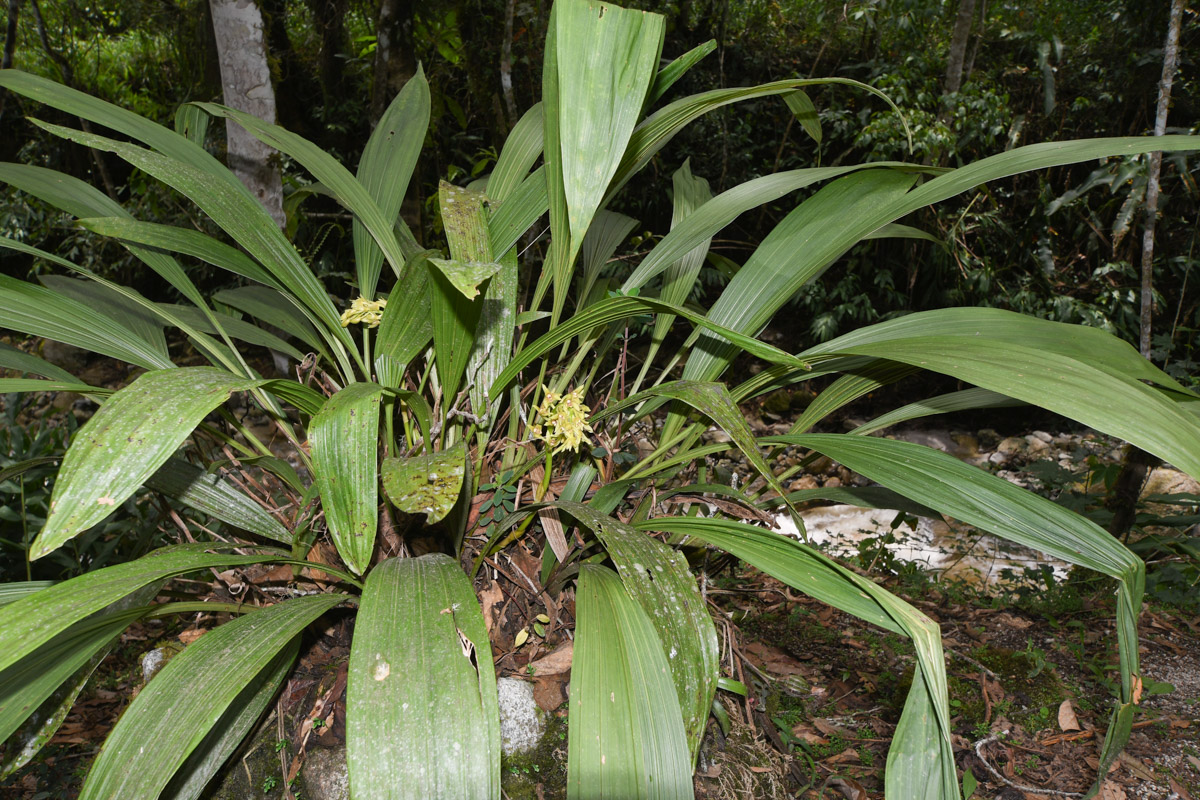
<point x="521" y="722"/>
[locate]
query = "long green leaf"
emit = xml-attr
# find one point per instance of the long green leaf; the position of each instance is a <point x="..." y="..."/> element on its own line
<point x="618" y="308"/>
<point x="82" y="200"/>
<point x="112" y="304"/>
<point x="492" y="348"/>
<point x="993" y="504"/>
<point x="227" y="734"/>
<point x="797" y="251"/>
<point x="175" y="712"/>
<point x="345" y="442"/>
<point x="38" y="311"/>
<point x="20" y="361"/>
<point x="942" y="404"/>
<point x="127" y="440"/>
<point x="35" y="619"/>
<point x="521" y="150"/>
<point x="211" y="495"/>
<point x="407" y="324"/>
<point x="518" y="213"/>
<point x="336" y="178"/>
<point x="726" y="207"/>
<point x="606" y="59"/>
<point x="668" y="75"/>
<point x="838" y="216"/>
<point x="238" y="214"/>
<point x="658" y="578"/>
<point x="181" y="240"/>
<point x="274" y="308"/>
<point x="920" y="760"/>
<point x="627" y="738"/>
<point x="1089" y="345"/>
<point x="1122" y="407"/>
<point x="386" y="167"/>
<point x="422" y="718"/>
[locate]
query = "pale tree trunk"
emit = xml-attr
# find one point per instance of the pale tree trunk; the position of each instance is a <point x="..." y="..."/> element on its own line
<point x="1170" y="59"/>
<point x="246" y="84"/>
<point x="394" y="63"/>
<point x="958" y="45"/>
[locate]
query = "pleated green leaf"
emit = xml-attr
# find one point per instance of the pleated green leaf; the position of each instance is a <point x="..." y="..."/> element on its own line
<point x="112" y="304"/>
<point x="521" y="149"/>
<point x="1121" y="407"/>
<point x="38" y="311"/>
<point x="981" y="499"/>
<point x="33" y="620"/>
<point x="233" y="327"/>
<point x="82" y="200"/>
<point x="455" y="313"/>
<point x="180" y="240"/>
<point x="801" y="105"/>
<point x="26" y="685"/>
<point x="209" y="494"/>
<point x="838" y="216"/>
<point x="849" y="388"/>
<point x="658" y="578"/>
<point x="668" y="75"/>
<point x="605" y="59"/>
<point x="723" y="209"/>
<point x="421" y="710"/>
<point x="127" y="440"/>
<point x="274" y="308"/>
<point x="333" y="176"/>
<point x="345" y="452"/>
<point x="466" y="276"/>
<point x="387" y="166"/>
<point x="608" y="232"/>
<point x="227" y="734"/>
<point x="427" y="484"/>
<point x="626" y="735"/>
<point x="925" y="763"/>
<point x="795" y="252"/>
<point x="518" y="213"/>
<point x="407" y="324"/>
<point x="942" y="404"/>
<point x="617" y="308"/>
<point x="1080" y="342"/>
<point x="654" y="132"/>
<point x="20" y="361"/>
<point x="492" y="347"/>
<point x="713" y="401"/>
<point x="174" y="713"/>
<point x="237" y="212"/>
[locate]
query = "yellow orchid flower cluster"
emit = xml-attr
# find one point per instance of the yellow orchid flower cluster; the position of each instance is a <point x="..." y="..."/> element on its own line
<point x="368" y="312"/>
<point x="564" y="418"/>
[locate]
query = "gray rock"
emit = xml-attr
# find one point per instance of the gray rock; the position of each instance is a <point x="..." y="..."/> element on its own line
<point x="1045" y="437"/>
<point x="326" y="776"/>
<point x="521" y="721"/>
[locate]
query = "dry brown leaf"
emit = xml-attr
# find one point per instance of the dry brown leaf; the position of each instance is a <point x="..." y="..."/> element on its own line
<point x="1179" y="789"/>
<point x="489" y="598"/>
<point x="830" y="729"/>
<point x="850" y="788"/>
<point x="1111" y="790"/>
<point x="1067" y="720"/>
<point x="187" y="637"/>
<point x="556" y="662"/>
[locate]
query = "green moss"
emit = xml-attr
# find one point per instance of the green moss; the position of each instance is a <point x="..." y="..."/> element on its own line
<point x="1032" y="690"/>
<point x="545" y="766"/>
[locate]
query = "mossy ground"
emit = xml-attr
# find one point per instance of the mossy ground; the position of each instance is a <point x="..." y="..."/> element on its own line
<point x="545" y="766"/>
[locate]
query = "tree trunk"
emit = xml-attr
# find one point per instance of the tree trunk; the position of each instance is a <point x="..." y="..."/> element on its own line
<point x="394" y="63"/>
<point x="10" y="46"/>
<point x="958" y="45"/>
<point x="246" y="84"/>
<point x="1123" y="502"/>
<point x="1170" y="59"/>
